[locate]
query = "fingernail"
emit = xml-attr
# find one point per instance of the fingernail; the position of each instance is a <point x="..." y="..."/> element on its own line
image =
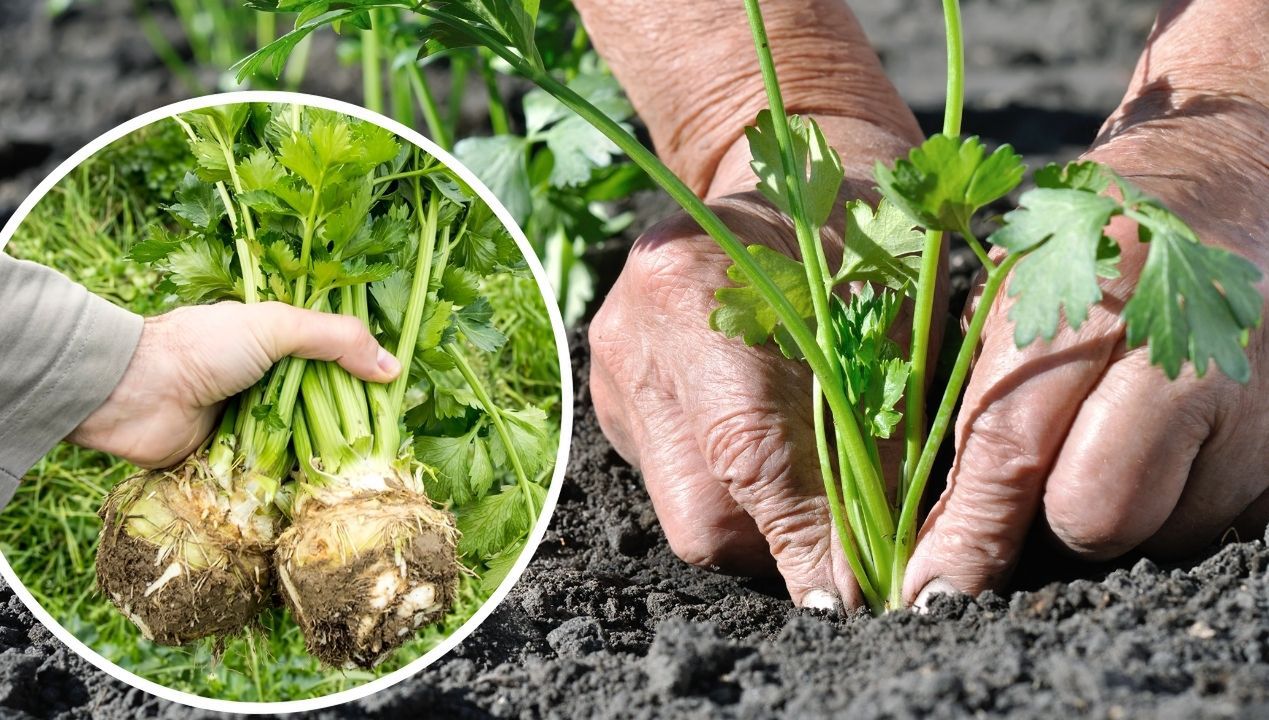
<point x="388" y="363"/>
<point x="820" y="600"/>
<point x="937" y="586"/>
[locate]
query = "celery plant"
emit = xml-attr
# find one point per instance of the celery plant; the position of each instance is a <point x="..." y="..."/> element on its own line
<point x="555" y="175"/>
<point x="328" y="213"/>
<point x="185" y="553"/>
<point x="1193" y="303"/>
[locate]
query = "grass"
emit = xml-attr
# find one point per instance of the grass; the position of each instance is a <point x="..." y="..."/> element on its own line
<point x="48" y="533"/>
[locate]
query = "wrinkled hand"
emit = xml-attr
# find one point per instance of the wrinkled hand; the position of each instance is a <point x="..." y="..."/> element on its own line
<point x="719" y="430"/>
<point x="1084" y="431"/>
<point x="723" y="433"/>
<point x="190" y="360"/>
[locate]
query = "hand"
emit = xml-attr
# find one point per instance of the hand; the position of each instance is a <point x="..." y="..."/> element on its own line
<point x="191" y="359"/>
<point x="721" y="432"/>
<point x="1084" y="430"/>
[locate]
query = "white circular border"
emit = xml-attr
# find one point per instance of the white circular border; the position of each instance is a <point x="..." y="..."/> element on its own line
<point x="566" y="411"/>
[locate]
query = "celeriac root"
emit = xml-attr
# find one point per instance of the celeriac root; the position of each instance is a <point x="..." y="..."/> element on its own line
<point x="365" y="564"/>
<point x="181" y="557"/>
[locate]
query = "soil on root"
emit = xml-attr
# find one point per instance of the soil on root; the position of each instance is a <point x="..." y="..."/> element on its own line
<point x="195" y="604"/>
<point x="213" y="586"/>
<point x="357" y="601"/>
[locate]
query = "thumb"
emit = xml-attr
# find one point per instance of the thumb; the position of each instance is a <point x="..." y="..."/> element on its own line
<point x="284" y="330"/>
<point x="1018" y="407"/>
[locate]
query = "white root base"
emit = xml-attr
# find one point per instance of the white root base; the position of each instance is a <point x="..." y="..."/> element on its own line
<point x="172" y="572"/>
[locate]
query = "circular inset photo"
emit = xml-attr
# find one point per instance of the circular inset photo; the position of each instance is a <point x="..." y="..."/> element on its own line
<point x="355" y="405"/>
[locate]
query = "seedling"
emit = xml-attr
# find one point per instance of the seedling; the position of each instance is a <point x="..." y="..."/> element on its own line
<point x="1193" y="303"/>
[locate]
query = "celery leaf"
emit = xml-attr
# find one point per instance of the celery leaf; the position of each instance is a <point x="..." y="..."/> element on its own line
<point x="475" y="322"/>
<point x="882" y="247"/>
<point x="743" y="311"/>
<point x="819" y="166"/>
<point x="1062" y="231"/>
<point x="1193" y="302"/>
<point x="945" y="180"/>
<point x="530" y="439"/>
<point x="462" y="466"/>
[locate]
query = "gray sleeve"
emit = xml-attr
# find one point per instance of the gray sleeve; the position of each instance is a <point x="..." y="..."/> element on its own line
<point x="62" y="352"/>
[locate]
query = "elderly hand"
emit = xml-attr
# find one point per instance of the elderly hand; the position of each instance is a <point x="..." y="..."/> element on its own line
<point x="723" y="433"/>
<point x="1084" y="431"/>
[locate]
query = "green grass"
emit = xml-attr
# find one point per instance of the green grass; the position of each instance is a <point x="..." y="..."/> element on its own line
<point x="49" y="532"/>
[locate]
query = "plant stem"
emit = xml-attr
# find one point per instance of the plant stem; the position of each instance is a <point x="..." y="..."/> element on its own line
<point x="329" y="442"/>
<point x="491" y="409"/>
<point x="306" y="241"/>
<point x="942" y="420"/>
<point x="389" y="403"/>
<point x="250" y="272"/>
<point x="877" y="530"/>
<point x="403" y="175"/>
<point x="498" y="120"/>
<point x="402" y="95"/>
<point x="979" y="251"/>
<point x="246" y="259"/>
<point x="294" y="373"/>
<point x="816" y="265"/>
<point x="953" y="110"/>
<point x="459" y="67"/>
<point x="372" y="85"/>
<point x="418" y="290"/>
<point x="808" y="242"/>
<point x="427" y="103"/>
<point x="931" y="254"/>
<point x="303" y="443"/>
<point x="224" y="446"/>
<point x="852" y="536"/>
<point x="348" y="391"/>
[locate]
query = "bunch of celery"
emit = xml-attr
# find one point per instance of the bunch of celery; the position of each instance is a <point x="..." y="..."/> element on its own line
<point x="329" y="213"/>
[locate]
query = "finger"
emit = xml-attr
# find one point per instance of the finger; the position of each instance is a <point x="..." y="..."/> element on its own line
<point x="755" y="435"/>
<point x="1017" y="407"/>
<point x="613" y="415"/>
<point x="1227" y="481"/>
<point x="1126" y="459"/>
<point x="284" y="330"/>
<point x="613" y="355"/>
<point x="642" y="418"/>
<point x="703" y="524"/>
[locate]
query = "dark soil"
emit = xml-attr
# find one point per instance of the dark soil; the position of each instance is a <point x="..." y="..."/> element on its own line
<point x="607" y="622"/>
